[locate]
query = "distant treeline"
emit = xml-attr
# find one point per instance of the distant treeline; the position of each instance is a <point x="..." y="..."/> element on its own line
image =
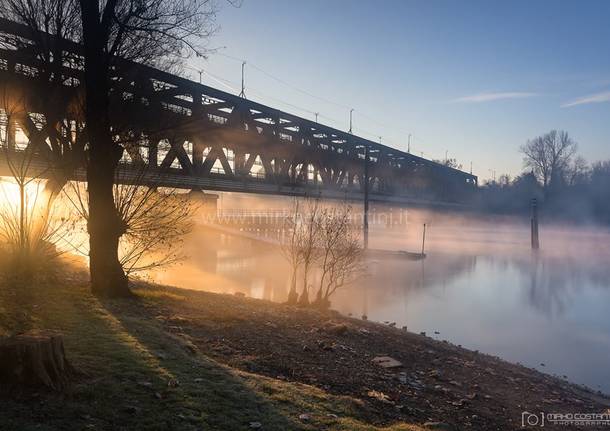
<point x="565" y="185"/>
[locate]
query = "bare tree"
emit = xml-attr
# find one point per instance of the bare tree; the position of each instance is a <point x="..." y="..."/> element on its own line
<point x="333" y="225"/>
<point x="321" y="238"/>
<point x="308" y="243"/>
<point x="578" y="171"/>
<point x="156" y="220"/>
<point x="135" y="29"/>
<point x="549" y="156"/>
<point x="301" y="247"/>
<point x="504" y="180"/>
<point x="292" y="251"/>
<point x="156" y="32"/>
<point x="340" y="257"/>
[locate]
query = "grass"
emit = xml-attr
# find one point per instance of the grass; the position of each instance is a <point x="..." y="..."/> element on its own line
<point x="136" y="376"/>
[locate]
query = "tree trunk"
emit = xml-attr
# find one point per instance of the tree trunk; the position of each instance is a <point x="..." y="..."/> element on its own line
<point x="293" y="296"/>
<point x="304" y="298"/>
<point x="104" y="225"/>
<point x="305" y="274"/>
<point x="318" y="301"/>
<point x="34" y="359"/>
<point x="105" y="229"/>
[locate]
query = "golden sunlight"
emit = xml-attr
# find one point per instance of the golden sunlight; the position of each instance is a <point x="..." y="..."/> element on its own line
<point x="10" y="196"/>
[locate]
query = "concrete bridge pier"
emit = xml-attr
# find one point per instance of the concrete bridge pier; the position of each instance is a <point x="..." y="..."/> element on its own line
<point x="208" y="202"/>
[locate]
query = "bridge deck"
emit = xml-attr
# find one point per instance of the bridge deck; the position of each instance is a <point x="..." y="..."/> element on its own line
<point x="192" y="135"/>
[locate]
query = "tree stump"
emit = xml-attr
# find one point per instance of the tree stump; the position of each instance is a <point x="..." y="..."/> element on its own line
<point x="34" y="359"/>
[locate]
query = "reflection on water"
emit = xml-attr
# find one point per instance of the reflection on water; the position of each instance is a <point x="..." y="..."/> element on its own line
<point x="548" y="308"/>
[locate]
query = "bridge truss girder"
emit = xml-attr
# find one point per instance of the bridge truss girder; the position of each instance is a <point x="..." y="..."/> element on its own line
<point x="177" y="127"/>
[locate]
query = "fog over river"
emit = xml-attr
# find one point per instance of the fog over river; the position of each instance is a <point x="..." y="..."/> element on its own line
<point x="480" y="286"/>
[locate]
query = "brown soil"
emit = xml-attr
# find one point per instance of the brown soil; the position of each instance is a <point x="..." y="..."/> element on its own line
<point x="437" y="382"/>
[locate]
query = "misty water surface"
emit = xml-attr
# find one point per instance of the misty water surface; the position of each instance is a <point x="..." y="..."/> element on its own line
<point x="480" y="287"/>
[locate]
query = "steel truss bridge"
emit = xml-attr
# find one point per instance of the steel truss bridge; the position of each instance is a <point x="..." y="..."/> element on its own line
<point x="193" y="136"/>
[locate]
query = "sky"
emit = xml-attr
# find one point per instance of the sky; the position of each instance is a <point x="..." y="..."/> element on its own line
<point x="474" y="80"/>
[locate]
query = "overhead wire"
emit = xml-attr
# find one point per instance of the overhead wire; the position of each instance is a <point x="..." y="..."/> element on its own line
<point x="232" y="86"/>
<point x="227" y="83"/>
<point x="385" y="140"/>
<point x="314" y="96"/>
<point x="287" y="84"/>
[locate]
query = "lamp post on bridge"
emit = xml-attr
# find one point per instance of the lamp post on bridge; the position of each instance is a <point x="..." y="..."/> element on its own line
<point x="243" y="80"/>
<point x="199" y="71"/>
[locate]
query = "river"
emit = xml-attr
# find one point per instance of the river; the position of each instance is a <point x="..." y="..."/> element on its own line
<point x="480" y="286"/>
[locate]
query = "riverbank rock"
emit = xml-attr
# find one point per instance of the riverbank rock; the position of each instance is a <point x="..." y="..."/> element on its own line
<point x="32" y="360"/>
<point x="336" y="328"/>
<point x="387" y="362"/>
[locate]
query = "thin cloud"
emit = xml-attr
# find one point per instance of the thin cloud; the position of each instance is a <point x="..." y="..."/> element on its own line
<point x="593" y="98"/>
<point x="492" y="97"/>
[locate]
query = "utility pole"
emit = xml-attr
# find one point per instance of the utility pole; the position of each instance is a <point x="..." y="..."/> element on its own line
<point x="351" y="111"/>
<point x="470" y="168"/>
<point x="366" y="198"/>
<point x="316" y="114"/>
<point x="409" y="144"/>
<point x="243" y="81"/>
<point x="200" y="75"/>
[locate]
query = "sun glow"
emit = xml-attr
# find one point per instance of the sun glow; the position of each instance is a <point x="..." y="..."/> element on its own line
<point x="10" y="194"/>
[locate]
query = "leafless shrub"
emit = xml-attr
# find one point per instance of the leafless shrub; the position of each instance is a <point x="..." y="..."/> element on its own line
<point x="33" y="231"/>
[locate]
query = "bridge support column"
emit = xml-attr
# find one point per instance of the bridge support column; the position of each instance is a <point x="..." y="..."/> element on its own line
<point x="239" y="163"/>
<point x="208" y="201"/>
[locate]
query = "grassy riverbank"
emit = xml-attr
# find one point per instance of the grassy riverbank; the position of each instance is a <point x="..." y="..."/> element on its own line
<point x="172" y="359"/>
